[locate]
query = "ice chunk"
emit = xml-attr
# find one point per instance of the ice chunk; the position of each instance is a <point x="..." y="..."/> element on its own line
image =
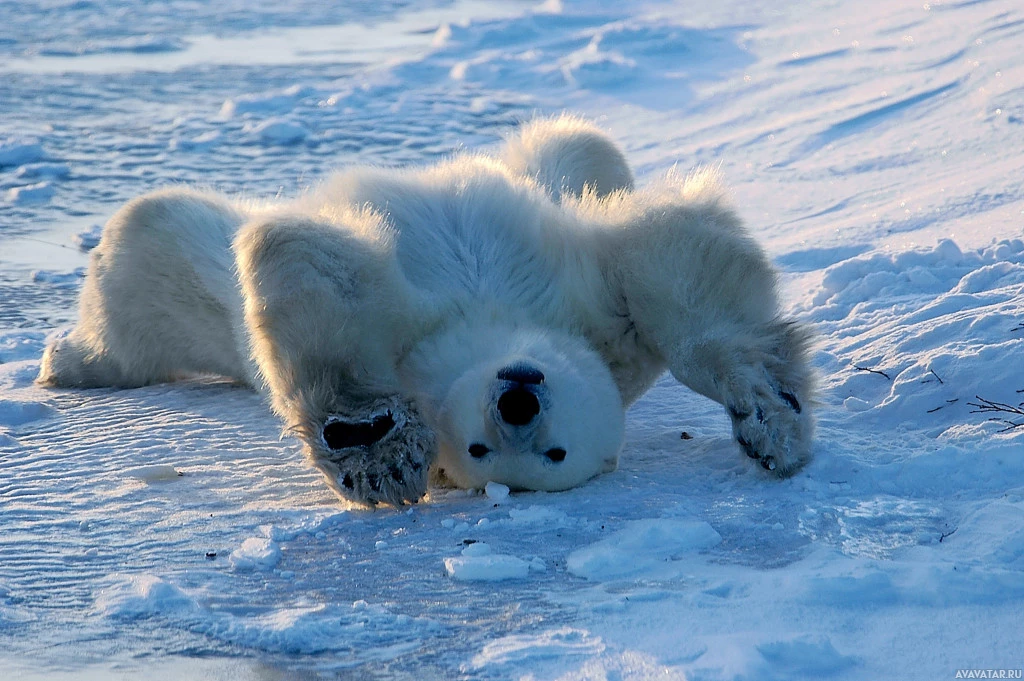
<point x="155" y="473"/>
<point x="255" y="553"/>
<point x="479" y="563"/>
<point x="496" y="491"/>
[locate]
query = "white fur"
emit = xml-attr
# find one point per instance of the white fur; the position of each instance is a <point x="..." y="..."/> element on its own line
<point x="383" y="304"/>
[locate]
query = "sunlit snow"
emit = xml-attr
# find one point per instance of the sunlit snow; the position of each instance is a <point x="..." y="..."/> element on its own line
<point x="875" y="148"/>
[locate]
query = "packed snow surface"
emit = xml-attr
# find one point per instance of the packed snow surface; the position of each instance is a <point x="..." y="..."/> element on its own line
<point x="874" y="148"/>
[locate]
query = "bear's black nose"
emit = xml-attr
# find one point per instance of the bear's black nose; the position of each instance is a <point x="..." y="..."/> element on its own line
<point x="521" y="373"/>
<point x="518" y="406"/>
<point x="345" y="434"/>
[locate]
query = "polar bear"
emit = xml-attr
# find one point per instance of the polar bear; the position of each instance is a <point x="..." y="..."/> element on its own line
<point x="487" y="318"/>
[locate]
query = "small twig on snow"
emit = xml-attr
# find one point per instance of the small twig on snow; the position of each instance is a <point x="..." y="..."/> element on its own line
<point x="941" y="382"/>
<point x="872" y="371"/>
<point x="948" y="402"/>
<point x="943" y="535"/>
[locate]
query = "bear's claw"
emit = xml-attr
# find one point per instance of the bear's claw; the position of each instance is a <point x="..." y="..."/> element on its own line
<point x="770" y="426"/>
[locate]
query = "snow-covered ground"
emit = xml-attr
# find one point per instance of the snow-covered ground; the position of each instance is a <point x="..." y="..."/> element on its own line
<point x="877" y="150"/>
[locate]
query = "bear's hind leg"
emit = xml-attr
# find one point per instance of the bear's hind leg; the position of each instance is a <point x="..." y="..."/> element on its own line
<point x="159" y="299"/>
<point x="568" y="155"/>
<point x="326" y="312"/>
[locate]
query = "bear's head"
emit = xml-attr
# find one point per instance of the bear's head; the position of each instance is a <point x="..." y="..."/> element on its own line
<point x="531" y="409"/>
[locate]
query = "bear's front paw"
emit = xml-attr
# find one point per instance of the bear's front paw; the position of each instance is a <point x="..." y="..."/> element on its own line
<point x="773" y="425"/>
<point x="377" y="454"/>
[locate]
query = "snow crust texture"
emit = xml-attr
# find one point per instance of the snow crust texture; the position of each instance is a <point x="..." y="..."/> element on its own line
<point x="873" y="147"/>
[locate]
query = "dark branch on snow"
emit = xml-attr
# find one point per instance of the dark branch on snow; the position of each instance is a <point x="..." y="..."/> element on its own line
<point x="983" y="406"/>
<point x="872" y="371"/>
<point x="948" y="402"/>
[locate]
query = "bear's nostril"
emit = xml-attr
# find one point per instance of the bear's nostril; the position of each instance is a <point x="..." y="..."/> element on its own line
<point x="479" y="451"/>
<point x="345" y="434"/>
<point x="518" y="406"/>
<point x="521" y="373"/>
<point x="556" y="454"/>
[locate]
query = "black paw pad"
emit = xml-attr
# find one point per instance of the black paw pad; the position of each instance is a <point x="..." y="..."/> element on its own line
<point x="791" y="400"/>
<point x="345" y="434"/>
<point x="347" y="481"/>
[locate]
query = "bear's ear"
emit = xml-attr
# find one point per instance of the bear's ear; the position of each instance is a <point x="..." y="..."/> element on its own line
<point x="568" y="156"/>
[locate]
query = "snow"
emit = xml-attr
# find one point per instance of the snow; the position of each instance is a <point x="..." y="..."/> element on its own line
<point x="20" y="412"/>
<point x="640" y="547"/>
<point x="19" y="151"/>
<point x="88" y="239"/>
<point x="873" y="148"/>
<point x="267" y="103"/>
<point x="510" y="653"/>
<point x="61" y="279"/>
<point x="31" y="193"/>
<point x="46" y="170"/>
<point x="478" y="563"/>
<point x="133" y="596"/>
<point x="278" y="131"/>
